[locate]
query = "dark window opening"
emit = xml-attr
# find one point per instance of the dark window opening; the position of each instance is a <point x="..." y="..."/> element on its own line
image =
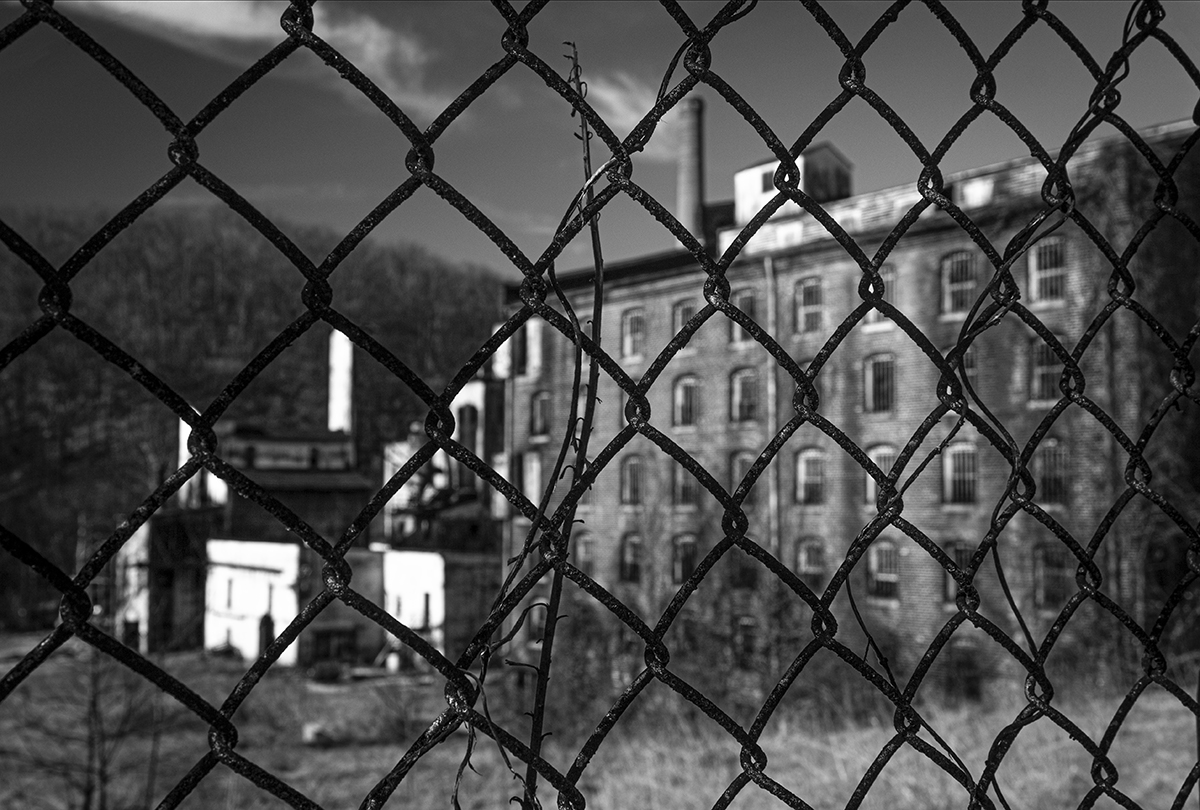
<point x="631" y="559"/>
<point x="879" y="383"/>
<point x="883" y="570"/>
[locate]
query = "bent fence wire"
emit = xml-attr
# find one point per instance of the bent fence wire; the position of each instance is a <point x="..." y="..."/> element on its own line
<point x="1000" y="300"/>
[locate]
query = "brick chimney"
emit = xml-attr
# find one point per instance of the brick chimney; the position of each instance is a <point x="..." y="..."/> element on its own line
<point x="689" y="191"/>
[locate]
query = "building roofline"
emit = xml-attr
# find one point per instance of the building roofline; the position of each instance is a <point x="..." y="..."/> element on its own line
<point x="309" y="479"/>
<point x="816" y="146"/>
<point x="1149" y="134"/>
<point x="253" y="430"/>
<point x="679" y="262"/>
<point x="662" y="264"/>
<point x="658" y="263"/>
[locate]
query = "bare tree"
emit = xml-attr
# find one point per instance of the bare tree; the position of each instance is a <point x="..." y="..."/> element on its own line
<point x="83" y="734"/>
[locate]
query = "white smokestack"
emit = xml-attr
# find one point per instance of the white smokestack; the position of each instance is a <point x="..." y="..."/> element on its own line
<point x="341" y="382"/>
<point x="689" y="191"/>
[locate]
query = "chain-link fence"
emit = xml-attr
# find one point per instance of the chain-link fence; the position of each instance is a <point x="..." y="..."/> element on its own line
<point x="548" y="544"/>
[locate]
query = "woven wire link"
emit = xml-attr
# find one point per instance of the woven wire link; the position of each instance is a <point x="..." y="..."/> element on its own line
<point x="1001" y="299"/>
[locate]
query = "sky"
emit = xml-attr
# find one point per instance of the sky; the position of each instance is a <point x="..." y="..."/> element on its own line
<point x="305" y="147"/>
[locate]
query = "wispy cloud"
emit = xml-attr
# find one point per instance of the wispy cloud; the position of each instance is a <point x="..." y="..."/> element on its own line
<point x="183" y="22"/>
<point x="395" y="59"/>
<point x="622" y="100"/>
<point x="535" y="224"/>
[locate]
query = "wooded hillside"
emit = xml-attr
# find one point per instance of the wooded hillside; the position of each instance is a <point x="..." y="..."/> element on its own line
<point x="194" y="295"/>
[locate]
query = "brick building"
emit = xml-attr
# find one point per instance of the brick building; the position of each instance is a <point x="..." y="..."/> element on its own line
<point x="648" y="522"/>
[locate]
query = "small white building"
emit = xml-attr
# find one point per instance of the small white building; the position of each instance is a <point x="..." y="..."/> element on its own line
<point x="253" y="595"/>
<point x="414" y="587"/>
<point x="215" y="570"/>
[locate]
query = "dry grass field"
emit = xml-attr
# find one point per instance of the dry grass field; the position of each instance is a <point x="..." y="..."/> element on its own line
<point x="666" y="762"/>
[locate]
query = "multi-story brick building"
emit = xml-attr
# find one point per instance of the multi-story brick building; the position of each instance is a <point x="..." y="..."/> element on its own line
<point x="722" y="398"/>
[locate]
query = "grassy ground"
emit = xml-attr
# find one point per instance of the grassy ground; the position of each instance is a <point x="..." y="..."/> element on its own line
<point x="668" y="763"/>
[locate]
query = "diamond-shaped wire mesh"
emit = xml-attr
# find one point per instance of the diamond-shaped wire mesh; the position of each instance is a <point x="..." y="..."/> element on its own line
<point x="1002" y="299"/>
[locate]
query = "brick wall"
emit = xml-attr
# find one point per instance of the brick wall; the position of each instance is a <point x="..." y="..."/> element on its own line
<point x="1004" y="359"/>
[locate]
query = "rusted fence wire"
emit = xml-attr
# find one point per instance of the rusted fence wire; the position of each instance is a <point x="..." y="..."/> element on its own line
<point x="1001" y="299"/>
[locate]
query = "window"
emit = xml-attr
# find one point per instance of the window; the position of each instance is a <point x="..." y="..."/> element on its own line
<point x="633" y="333"/>
<point x="1050" y="471"/>
<point x="958" y="282"/>
<point x="745" y="301"/>
<point x="883" y="456"/>
<point x="808" y="315"/>
<point x="631" y="481"/>
<point x="631" y="559"/>
<point x="740" y="464"/>
<point x="768" y="181"/>
<point x="959" y="474"/>
<point x="883" y="569"/>
<point x="686" y="395"/>
<point x="810" y="561"/>
<point x="1052" y="579"/>
<point x="879" y="383"/>
<point x="1045" y="371"/>
<point x="585" y="554"/>
<point x="1048" y="270"/>
<point x="539" y="414"/>
<point x="810" y="476"/>
<point x="961" y="554"/>
<point x="887" y="277"/>
<point x="685" y="489"/>
<point x="683" y="557"/>
<point x="743" y="395"/>
<point x="681" y="313"/>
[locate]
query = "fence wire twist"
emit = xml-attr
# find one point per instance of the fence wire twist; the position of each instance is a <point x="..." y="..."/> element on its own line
<point x="1000" y="300"/>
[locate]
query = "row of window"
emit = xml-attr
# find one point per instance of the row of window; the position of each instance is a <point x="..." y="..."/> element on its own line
<point x="685" y="412"/>
<point x="684" y="559"/>
<point x="1052" y="576"/>
<point x="879" y="389"/>
<point x="960" y="475"/>
<point x="808" y="316"/>
<point x="959" y="275"/>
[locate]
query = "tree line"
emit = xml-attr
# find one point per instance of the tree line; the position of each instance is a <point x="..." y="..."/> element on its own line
<point x="193" y="294"/>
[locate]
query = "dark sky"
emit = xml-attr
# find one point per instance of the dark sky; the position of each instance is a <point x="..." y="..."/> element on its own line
<point x="305" y="147"/>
